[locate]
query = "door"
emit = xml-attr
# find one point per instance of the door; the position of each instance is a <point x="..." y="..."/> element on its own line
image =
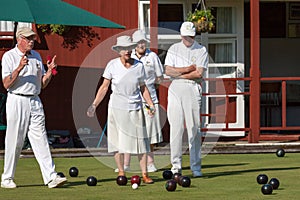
<point x="226" y="49"/>
<point x="223" y="108"/>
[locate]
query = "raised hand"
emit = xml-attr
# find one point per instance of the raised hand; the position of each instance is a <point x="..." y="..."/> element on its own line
<point x="23" y="62"/>
<point x="51" y="64"/>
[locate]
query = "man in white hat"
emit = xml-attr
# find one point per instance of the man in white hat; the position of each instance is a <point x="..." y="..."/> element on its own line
<point x="185" y="63"/>
<point x="154" y="75"/>
<point x="125" y="119"/>
<point x="24" y="76"/>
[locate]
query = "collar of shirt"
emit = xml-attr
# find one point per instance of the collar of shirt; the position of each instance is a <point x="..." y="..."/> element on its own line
<point x="190" y="47"/>
<point x="20" y="53"/>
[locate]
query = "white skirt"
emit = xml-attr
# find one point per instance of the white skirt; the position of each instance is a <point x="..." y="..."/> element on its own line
<point x="153" y="125"/>
<point x="126" y="132"/>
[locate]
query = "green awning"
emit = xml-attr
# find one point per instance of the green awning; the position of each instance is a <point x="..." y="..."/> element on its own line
<point x="51" y="12"/>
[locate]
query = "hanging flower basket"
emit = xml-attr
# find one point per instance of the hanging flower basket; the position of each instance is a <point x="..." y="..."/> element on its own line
<point x="203" y="20"/>
<point x="54" y="28"/>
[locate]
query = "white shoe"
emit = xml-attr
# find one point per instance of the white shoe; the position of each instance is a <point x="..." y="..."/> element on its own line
<point x="57" y="182"/>
<point x="197" y="174"/>
<point x="151" y="168"/>
<point x="175" y="170"/>
<point x="126" y="169"/>
<point x="8" y="183"/>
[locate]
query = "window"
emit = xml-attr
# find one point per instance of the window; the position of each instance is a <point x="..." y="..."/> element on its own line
<point x="294" y="11"/>
<point x="170" y="16"/>
<point x="272" y="20"/>
<point x="8" y="26"/>
<point x="293" y="26"/>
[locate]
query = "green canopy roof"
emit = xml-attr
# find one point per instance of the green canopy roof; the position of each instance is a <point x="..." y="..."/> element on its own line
<point x="51" y="12"/>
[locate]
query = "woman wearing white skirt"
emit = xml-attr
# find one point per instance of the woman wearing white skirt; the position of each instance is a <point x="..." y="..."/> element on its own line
<point x="125" y="122"/>
<point x="154" y="75"/>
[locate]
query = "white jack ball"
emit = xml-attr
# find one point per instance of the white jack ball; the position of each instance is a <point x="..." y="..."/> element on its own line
<point x="135" y="186"/>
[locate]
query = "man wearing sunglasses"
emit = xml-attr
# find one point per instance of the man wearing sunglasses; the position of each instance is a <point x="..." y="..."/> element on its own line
<point x="23" y="76"/>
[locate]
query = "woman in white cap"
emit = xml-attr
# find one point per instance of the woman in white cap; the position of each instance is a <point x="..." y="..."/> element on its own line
<point x="154" y="75"/>
<point x="125" y="123"/>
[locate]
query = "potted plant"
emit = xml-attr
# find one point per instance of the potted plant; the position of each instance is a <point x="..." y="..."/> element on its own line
<point x="203" y="19"/>
<point x="53" y="28"/>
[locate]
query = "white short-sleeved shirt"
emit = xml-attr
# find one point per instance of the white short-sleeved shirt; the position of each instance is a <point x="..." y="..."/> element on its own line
<point x="181" y="56"/>
<point x="29" y="79"/>
<point x="125" y="84"/>
<point x="153" y="68"/>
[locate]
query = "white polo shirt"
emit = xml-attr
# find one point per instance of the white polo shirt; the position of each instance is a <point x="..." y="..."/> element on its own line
<point x="153" y="68"/>
<point x="29" y="79"/>
<point x="125" y="84"/>
<point x="181" y="56"/>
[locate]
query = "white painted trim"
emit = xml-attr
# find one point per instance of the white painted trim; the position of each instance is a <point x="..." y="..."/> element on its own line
<point x="236" y="37"/>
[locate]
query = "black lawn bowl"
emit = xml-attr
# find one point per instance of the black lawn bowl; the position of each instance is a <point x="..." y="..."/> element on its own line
<point x="91" y="181"/>
<point x="185" y="181"/>
<point x="167" y="174"/>
<point x="60" y="174"/>
<point x="73" y="172"/>
<point x="262" y="179"/>
<point x="171" y="185"/>
<point x="121" y="180"/>
<point x="280" y="153"/>
<point x="176" y="177"/>
<point x="275" y="183"/>
<point x="180" y="180"/>
<point x="267" y="189"/>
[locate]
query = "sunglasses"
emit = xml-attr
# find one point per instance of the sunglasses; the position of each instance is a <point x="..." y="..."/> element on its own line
<point x="29" y="39"/>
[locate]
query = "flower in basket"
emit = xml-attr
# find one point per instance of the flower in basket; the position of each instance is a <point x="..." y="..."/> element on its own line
<point x="53" y="28"/>
<point x="203" y="19"/>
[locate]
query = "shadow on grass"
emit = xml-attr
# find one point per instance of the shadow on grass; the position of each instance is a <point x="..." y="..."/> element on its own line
<point x="110" y="179"/>
<point x="210" y="166"/>
<point x="74" y="183"/>
<point x="99" y="181"/>
<point x="32" y="185"/>
<point x="230" y="173"/>
<point x="225" y="173"/>
<point x="223" y="165"/>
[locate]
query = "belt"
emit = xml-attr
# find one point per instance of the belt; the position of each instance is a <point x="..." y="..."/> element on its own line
<point x="24" y="95"/>
<point x="184" y="81"/>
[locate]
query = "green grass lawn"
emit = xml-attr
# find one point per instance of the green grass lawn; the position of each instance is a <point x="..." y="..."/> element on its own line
<point x="227" y="176"/>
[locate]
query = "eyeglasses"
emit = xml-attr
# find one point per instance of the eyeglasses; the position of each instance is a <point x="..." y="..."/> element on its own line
<point x="29" y="39"/>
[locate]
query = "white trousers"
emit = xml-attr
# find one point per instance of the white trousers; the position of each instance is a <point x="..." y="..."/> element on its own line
<point x="26" y="115"/>
<point x="184" y="102"/>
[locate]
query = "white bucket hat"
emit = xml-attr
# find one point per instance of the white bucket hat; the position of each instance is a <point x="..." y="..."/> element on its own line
<point x="138" y="36"/>
<point x="187" y="29"/>
<point x="123" y="41"/>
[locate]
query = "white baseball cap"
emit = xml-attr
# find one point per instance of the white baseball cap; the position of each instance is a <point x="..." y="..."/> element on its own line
<point x="187" y="29"/>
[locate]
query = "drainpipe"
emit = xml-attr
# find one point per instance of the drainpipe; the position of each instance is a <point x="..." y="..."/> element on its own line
<point x="253" y="136"/>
